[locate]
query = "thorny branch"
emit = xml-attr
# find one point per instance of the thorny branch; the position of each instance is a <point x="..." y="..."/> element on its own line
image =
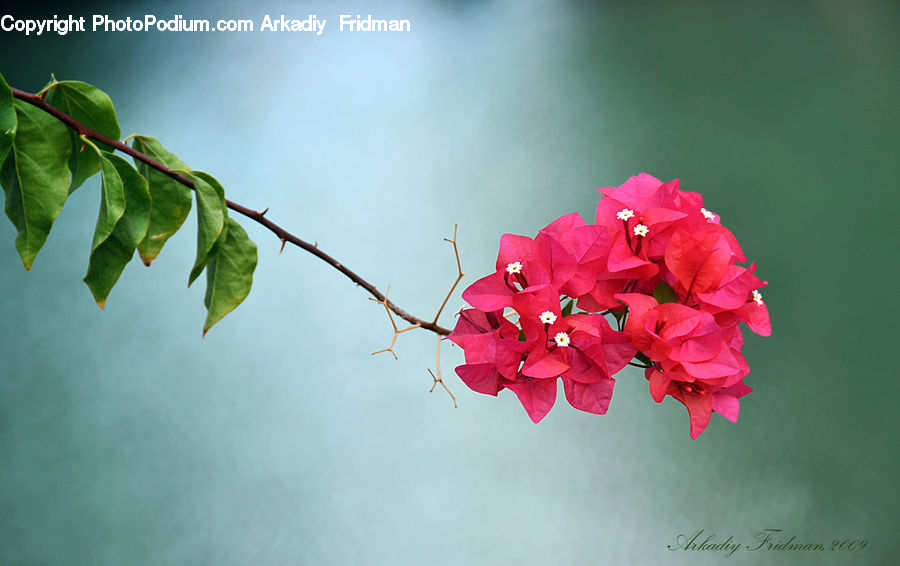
<point x="458" y="278"/>
<point x="397" y="332"/>
<point x="257" y="216"/>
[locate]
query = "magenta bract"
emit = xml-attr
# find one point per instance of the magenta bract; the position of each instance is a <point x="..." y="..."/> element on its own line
<point x="657" y="264"/>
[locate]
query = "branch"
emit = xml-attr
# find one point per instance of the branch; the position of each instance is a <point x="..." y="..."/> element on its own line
<point x="397" y="331"/>
<point x="438" y="379"/>
<point x="458" y="278"/>
<point x="258" y="217"/>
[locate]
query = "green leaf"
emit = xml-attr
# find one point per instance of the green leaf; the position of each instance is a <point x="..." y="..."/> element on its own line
<point x="229" y="273"/>
<point x="122" y="223"/>
<point x="93" y="108"/>
<point x="664" y="293"/>
<point x="8" y="120"/>
<point x="211" y="215"/>
<point x="567" y="309"/>
<point x="112" y="199"/>
<point x="35" y="177"/>
<point x="171" y="201"/>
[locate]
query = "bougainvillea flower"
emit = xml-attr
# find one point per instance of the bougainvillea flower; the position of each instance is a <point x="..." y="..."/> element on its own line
<point x="604" y="267"/>
<point x="697" y="263"/>
<point x="523" y="265"/>
<point x="642" y="210"/>
<point x="562" y="226"/>
<point x="493" y="357"/>
<point x="589" y="245"/>
<point x="492" y="348"/>
<point x="660" y="207"/>
<point x="725" y="400"/>
<point x="693" y="396"/>
<point x="586" y="247"/>
<point x="655" y="257"/>
<point x="699" y="399"/>
<point x="738" y="298"/>
<point x="695" y="360"/>
<point x="582" y="349"/>
<point x="626" y="260"/>
<point x="536" y="395"/>
<point x="753" y="312"/>
<point x="735" y="288"/>
<point x="562" y="264"/>
<point x="685" y="343"/>
<point x="639" y="193"/>
<point x="640" y="216"/>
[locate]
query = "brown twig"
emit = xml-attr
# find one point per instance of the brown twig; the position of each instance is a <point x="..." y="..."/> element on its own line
<point x="258" y="217"/>
<point x="397" y="332"/>
<point x="458" y="278"/>
<point x="437" y="378"/>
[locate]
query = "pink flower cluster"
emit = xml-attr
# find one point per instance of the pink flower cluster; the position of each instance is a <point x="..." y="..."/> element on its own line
<point x="657" y="264"/>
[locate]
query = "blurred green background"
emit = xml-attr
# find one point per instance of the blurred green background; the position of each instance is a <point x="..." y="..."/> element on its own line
<point x="279" y="439"/>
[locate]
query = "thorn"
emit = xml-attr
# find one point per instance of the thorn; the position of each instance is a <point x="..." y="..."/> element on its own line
<point x="263" y="213"/>
<point x="430" y="326"/>
<point x="283" y="242"/>
<point x="387" y="350"/>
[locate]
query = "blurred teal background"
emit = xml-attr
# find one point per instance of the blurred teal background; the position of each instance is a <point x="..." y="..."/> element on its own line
<point x="278" y="439"/>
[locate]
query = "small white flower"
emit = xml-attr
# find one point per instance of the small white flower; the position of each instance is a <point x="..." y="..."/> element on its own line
<point x="707" y="214"/>
<point x="514" y="267"/>
<point x="548" y="317"/>
<point x="562" y="339"/>
<point x="757" y="296"/>
<point x="625" y="214"/>
<point x="641" y="230"/>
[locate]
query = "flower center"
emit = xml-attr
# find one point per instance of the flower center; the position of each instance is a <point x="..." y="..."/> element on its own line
<point x="561" y="339"/>
<point x="625" y="214"/>
<point x="514" y="267"/>
<point x="548" y="317"/>
<point x="757" y="296"/>
<point x="693" y="389"/>
<point x="707" y="214"/>
<point x="641" y="230"/>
